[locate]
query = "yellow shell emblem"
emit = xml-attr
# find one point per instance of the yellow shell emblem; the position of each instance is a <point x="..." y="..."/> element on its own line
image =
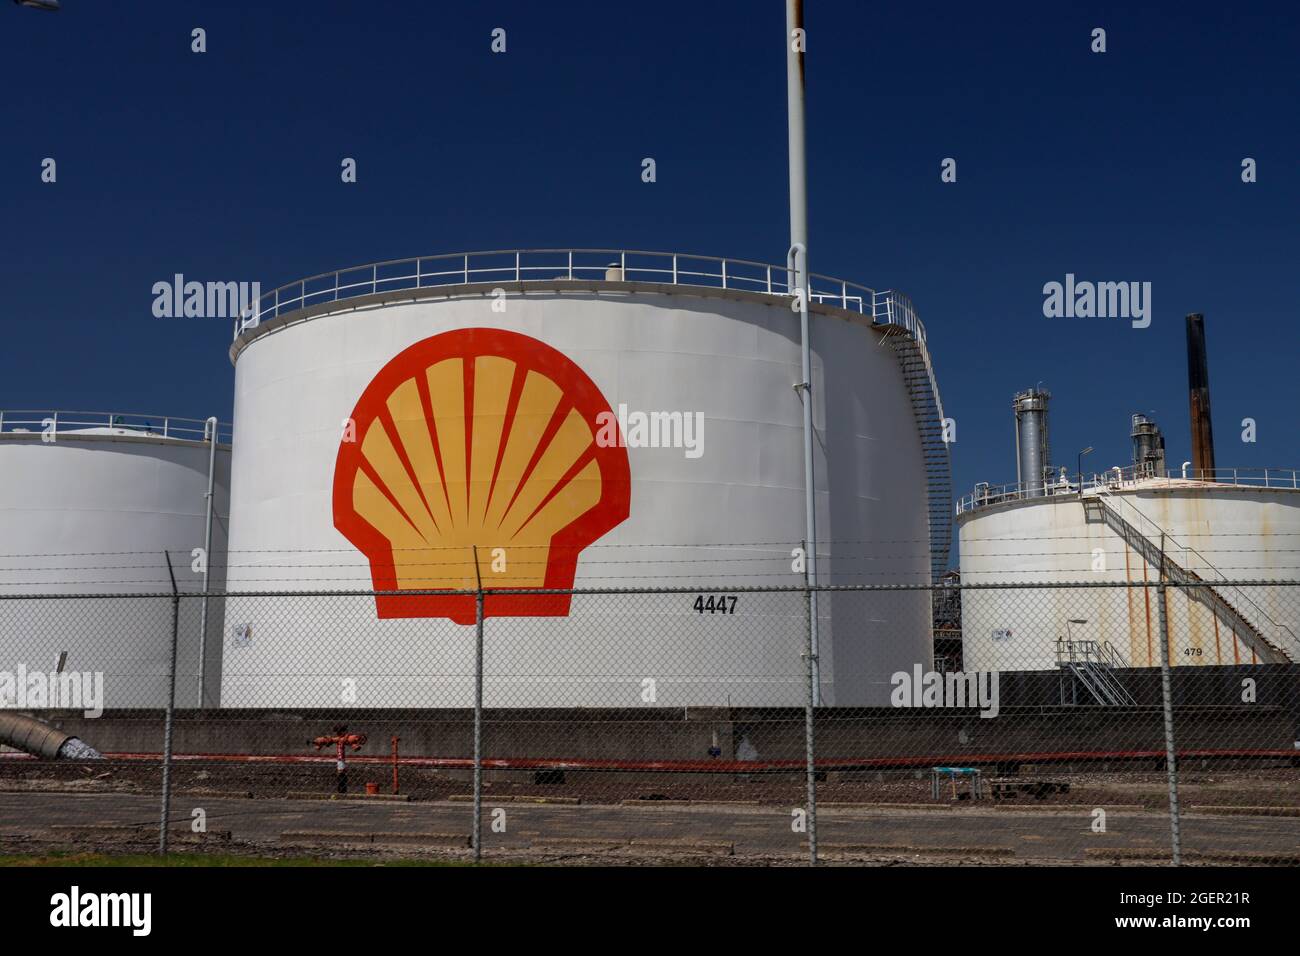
<point x="477" y="439"/>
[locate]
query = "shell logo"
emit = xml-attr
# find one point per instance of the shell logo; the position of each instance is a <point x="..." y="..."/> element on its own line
<point x="477" y="438"/>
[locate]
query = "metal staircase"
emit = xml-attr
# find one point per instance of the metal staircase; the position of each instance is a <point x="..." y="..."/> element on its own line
<point x="906" y="336"/>
<point x="1091" y="665"/>
<point x="1271" y="641"/>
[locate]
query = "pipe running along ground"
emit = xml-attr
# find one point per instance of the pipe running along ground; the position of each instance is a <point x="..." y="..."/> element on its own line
<point x="39" y="739"/>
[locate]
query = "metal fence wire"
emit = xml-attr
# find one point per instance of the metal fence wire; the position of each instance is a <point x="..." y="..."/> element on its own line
<point x="1083" y="722"/>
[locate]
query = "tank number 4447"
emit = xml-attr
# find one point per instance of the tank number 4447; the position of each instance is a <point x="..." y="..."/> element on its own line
<point x="715" y="604"/>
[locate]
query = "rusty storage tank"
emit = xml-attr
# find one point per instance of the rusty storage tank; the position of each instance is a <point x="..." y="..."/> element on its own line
<point x="1232" y="525"/>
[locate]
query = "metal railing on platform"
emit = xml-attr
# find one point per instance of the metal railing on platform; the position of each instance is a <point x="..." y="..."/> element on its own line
<point x="1117" y="479"/>
<point x="551" y="265"/>
<point x="63" y="422"/>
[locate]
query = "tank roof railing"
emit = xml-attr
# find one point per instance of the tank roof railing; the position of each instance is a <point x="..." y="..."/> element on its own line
<point x="986" y="494"/>
<point x="61" y="421"/>
<point x="553" y="265"/>
<point x="1119" y="479"/>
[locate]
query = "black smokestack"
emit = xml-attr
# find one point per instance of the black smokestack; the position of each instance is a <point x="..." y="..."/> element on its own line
<point x="1198" y="385"/>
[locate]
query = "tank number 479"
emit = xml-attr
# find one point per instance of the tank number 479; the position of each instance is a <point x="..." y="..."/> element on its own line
<point x="719" y="604"/>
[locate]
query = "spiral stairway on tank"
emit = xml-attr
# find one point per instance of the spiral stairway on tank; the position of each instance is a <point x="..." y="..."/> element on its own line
<point x="923" y="391"/>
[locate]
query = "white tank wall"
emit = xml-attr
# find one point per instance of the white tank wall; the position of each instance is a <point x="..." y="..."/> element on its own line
<point x="1243" y="533"/>
<point x="94" y="514"/>
<point x="734" y="360"/>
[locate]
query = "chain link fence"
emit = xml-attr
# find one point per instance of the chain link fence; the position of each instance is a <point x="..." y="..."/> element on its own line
<point x="1083" y="722"/>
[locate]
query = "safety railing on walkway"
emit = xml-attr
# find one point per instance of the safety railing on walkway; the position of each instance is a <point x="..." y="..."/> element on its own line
<point x="551" y="265"/>
<point x="66" y="422"/>
<point x="1119" y="479"/>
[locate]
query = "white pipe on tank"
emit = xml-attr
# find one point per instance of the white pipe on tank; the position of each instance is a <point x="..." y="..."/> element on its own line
<point x="210" y="430"/>
<point x="798" y="260"/>
<point x="1186" y="465"/>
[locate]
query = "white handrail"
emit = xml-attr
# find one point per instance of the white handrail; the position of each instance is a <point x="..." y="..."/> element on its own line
<point x="61" y="422"/>
<point x="1132" y="478"/>
<point x="550" y="265"/>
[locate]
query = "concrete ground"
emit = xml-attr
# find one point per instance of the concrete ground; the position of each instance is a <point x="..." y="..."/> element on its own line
<point x="549" y="833"/>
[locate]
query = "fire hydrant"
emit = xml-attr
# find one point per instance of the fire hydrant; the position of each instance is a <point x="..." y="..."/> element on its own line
<point x="341" y="740"/>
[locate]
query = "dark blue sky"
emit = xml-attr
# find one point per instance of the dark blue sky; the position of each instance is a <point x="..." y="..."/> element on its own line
<point x="1119" y="166"/>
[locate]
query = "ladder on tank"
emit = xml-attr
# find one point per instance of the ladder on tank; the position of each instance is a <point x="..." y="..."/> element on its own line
<point x="1091" y="665"/>
<point x="1270" y="650"/>
<point x="923" y="392"/>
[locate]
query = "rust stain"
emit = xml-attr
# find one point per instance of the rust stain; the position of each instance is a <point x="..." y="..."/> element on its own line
<point x="1169" y="631"/>
<point x="1146" y="597"/>
<point x="1132" y="614"/>
<point x="1192" y="610"/>
<point x="1218" y="652"/>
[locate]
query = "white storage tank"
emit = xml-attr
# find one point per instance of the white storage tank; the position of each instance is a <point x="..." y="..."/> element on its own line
<point x="394" y="417"/>
<point x="1240" y="527"/>
<point x="89" y="503"/>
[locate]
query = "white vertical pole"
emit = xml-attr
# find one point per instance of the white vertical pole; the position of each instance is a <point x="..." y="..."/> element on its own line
<point x="169" y="719"/>
<point x="477" y="824"/>
<point x="210" y="426"/>
<point x="794" y="69"/>
<point x="794" y="75"/>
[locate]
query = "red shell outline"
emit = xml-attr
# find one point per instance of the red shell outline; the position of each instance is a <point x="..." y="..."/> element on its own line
<point x="579" y="390"/>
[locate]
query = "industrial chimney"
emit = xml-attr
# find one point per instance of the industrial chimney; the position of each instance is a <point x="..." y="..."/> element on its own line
<point x="1033" y="450"/>
<point x="1198" y="384"/>
<point x="1148" y="447"/>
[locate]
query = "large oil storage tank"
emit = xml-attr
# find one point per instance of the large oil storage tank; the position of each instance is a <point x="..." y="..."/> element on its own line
<point x="394" y="417"/>
<point x="1201" y="531"/>
<point x="89" y="503"/>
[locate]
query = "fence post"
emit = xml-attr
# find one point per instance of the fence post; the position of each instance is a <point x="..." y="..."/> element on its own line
<point x="810" y="702"/>
<point x="477" y="831"/>
<point x="1171" y="767"/>
<point x="171" y="714"/>
<point x="207" y="554"/>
